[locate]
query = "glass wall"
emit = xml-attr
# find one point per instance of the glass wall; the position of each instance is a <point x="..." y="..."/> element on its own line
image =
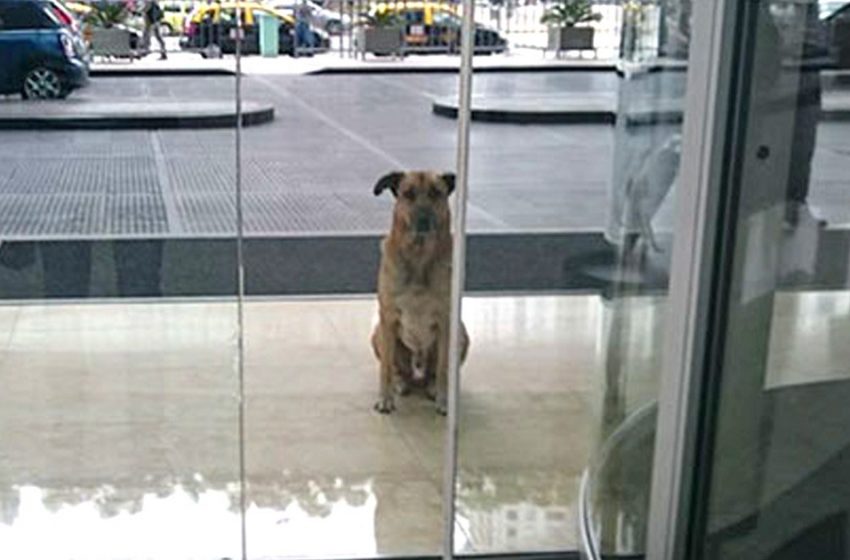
<point x="653" y="72"/>
<point x="534" y="230"/>
<point x="195" y="315"/>
<point x="120" y="401"/>
<point x="335" y="466"/>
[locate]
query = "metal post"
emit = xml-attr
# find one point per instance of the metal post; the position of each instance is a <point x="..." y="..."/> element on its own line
<point x="458" y="276"/>
<point x="342" y="26"/>
<point x="240" y="289"/>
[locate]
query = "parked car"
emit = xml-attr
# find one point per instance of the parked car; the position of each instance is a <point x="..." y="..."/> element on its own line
<point x="215" y="24"/>
<point x="436" y="27"/>
<point x="40" y="57"/>
<point x="320" y="18"/>
<point x="65" y="15"/>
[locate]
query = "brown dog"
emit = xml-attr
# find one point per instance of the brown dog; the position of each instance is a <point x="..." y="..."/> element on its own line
<point x="414" y="285"/>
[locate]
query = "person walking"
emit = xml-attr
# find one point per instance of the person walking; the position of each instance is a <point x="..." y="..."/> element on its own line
<point x="303" y="37"/>
<point x="153" y="17"/>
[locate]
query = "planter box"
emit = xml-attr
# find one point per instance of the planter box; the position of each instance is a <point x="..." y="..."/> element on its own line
<point x="571" y="38"/>
<point x="380" y="40"/>
<point x="112" y="42"/>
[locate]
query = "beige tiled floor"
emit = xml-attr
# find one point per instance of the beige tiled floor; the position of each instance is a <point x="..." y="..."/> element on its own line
<point x="119" y="424"/>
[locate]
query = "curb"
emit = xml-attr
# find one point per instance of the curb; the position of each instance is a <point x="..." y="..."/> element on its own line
<point x="529" y="116"/>
<point x="159" y="72"/>
<point x="454" y="70"/>
<point x="253" y="115"/>
<point x="590" y="116"/>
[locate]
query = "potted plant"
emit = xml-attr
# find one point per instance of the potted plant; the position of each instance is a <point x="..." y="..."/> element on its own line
<point x="562" y="19"/>
<point x="107" y="14"/>
<point x="382" y="33"/>
<point x="108" y="35"/>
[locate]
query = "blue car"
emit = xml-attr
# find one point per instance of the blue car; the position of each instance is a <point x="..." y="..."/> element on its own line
<point x="40" y="56"/>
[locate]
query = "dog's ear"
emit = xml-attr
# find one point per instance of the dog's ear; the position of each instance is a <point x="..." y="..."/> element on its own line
<point x="449" y="180"/>
<point x="389" y="181"/>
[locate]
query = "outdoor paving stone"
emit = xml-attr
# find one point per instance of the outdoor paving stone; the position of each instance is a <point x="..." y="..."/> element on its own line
<point x="334" y="135"/>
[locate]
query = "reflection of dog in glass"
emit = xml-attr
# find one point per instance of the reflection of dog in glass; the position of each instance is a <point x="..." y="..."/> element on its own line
<point x="414" y="284"/>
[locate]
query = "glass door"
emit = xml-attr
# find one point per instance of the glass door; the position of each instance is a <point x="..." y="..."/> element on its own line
<point x="773" y="448"/>
<point x="752" y="446"/>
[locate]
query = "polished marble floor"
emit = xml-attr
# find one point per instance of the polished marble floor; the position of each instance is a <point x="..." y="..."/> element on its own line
<point x="120" y="424"/>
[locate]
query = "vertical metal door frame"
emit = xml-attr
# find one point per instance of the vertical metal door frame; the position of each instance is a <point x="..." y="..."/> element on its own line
<point x="240" y="293"/>
<point x="458" y="277"/>
<point x="711" y="92"/>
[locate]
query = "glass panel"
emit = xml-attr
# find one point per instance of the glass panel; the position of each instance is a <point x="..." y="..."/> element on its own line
<point x="564" y="360"/>
<point x="623" y="390"/>
<point x="328" y="475"/>
<point x="118" y="311"/>
<point x="776" y="487"/>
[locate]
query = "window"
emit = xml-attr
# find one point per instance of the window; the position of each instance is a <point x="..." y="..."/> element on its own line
<point x="446" y="19"/>
<point x="15" y="16"/>
<point x="414" y="16"/>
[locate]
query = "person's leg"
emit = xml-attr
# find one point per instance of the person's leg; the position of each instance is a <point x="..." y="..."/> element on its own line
<point x="146" y="39"/>
<point x="157" y="32"/>
<point x="803" y="145"/>
<point x="298" y="38"/>
<point x="303" y="37"/>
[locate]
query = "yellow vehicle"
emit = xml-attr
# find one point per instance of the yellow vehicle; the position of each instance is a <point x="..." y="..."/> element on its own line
<point x="227" y="12"/>
<point x="420" y="19"/>
<point x="215" y="24"/>
<point x="435" y="27"/>
<point x="80" y="10"/>
<point x="174" y="15"/>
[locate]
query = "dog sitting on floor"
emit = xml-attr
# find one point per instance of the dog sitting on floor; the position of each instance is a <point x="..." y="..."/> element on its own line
<point x="414" y="283"/>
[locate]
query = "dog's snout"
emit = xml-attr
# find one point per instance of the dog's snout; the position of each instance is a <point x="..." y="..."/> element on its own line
<point x="424" y="221"/>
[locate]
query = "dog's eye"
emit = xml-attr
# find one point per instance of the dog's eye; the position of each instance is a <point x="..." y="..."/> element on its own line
<point x="433" y="193"/>
<point x="409" y="195"/>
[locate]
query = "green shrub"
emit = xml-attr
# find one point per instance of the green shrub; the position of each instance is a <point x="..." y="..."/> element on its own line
<point x="567" y="13"/>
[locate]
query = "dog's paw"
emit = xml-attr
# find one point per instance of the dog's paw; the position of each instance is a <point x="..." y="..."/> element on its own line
<point x="442" y="405"/>
<point x="385" y="405"/>
<point x="431" y="391"/>
<point x="402" y="388"/>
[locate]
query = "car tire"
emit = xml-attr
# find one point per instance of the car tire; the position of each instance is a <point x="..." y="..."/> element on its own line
<point x="43" y="83"/>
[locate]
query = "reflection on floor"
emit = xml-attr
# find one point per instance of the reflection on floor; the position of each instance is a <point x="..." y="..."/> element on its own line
<point x="809" y="338"/>
<point x="120" y="426"/>
<point x="120" y="431"/>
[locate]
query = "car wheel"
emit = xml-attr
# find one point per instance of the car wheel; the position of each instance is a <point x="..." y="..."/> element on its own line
<point x="43" y="83"/>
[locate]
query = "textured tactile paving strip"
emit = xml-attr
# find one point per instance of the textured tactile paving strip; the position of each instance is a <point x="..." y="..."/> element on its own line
<point x="278" y="212"/>
<point x="116" y="176"/>
<point x="84" y="196"/>
<point x="81" y="215"/>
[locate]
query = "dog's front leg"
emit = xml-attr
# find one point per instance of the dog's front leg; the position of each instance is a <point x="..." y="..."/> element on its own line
<point x="441" y="394"/>
<point x="386" y="401"/>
